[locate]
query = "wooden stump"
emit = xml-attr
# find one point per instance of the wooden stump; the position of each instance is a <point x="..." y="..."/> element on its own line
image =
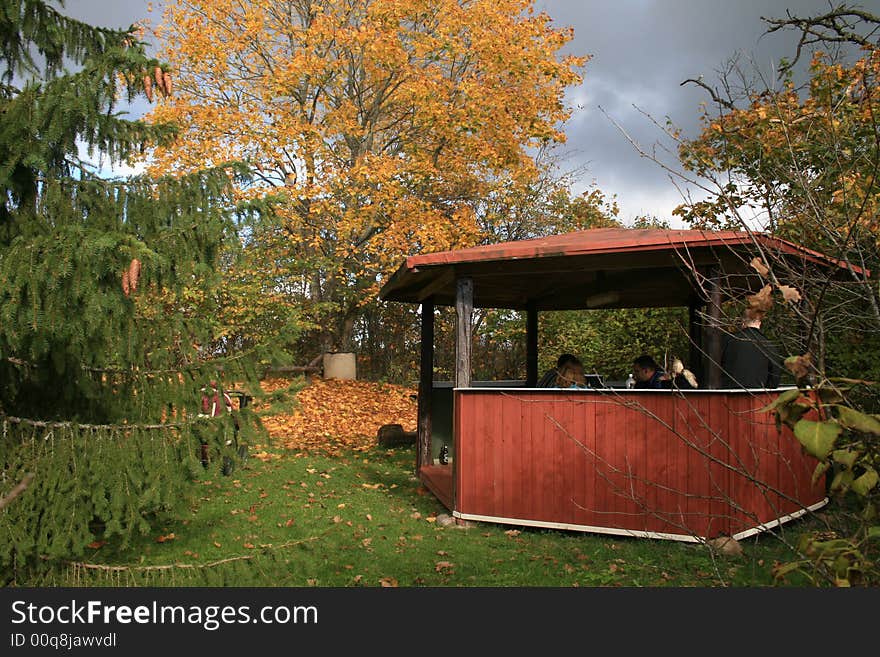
<point x="392" y="435"/>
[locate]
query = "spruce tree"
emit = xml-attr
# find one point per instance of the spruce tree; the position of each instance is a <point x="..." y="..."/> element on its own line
<point x="104" y="321"/>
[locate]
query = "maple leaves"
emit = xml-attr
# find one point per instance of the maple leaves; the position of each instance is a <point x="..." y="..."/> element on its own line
<point x="386" y="124"/>
<point x="332" y="415"/>
<point x="804" y="157"/>
<point x="760" y="303"/>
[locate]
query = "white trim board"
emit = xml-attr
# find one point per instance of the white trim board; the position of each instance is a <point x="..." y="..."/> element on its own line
<point x="615" y="531"/>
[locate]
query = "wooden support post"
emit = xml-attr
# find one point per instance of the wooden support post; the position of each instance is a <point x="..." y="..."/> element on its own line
<point x="426" y="385"/>
<point x="531" y="346"/>
<point x="695" y="334"/>
<point x="464" y="311"/>
<point x="712" y="371"/>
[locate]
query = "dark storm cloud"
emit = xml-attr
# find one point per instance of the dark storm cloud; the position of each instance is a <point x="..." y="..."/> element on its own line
<point x="641" y="51"/>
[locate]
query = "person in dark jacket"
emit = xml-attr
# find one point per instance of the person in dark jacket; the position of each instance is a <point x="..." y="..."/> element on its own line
<point x="549" y="378"/>
<point x="649" y="374"/>
<point x="749" y="359"/>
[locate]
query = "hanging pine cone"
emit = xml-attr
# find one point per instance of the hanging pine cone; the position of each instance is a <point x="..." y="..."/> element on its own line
<point x="126" y="288"/>
<point x="148" y="87"/>
<point x="134" y="273"/>
<point x="167" y="80"/>
<point x="160" y="78"/>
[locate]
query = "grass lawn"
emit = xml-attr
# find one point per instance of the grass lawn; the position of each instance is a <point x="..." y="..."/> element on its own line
<point x="362" y="519"/>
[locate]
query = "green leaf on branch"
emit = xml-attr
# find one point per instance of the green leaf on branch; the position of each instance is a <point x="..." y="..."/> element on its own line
<point x="842" y="481"/>
<point x="830" y="395"/>
<point x="866" y="482"/>
<point x="817" y="437"/>
<point x="785" y="398"/>
<point x="874" y="532"/>
<point x="791" y="413"/>
<point x="852" y="419"/>
<point x="780" y="571"/>
<point x="821" y="469"/>
<point x="845" y="457"/>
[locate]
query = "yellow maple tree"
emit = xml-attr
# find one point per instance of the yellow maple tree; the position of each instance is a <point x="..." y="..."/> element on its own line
<point x="388" y="127"/>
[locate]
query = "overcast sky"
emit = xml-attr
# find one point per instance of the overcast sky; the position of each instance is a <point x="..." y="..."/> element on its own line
<point x="641" y="52"/>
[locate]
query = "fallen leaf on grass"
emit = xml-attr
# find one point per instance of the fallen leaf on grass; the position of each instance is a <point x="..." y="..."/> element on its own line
<point x="512" y="532"/>
<point x="96" y="544"/>
<point x="386" y="582"/>
<point x="249" y="546"/>
<point x="165" y="537"/>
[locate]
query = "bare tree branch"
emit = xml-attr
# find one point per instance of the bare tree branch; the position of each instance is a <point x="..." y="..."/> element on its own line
<point x="18" y="490"/>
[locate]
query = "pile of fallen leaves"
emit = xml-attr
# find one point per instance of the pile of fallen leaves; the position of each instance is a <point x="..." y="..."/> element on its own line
<point x="335" y="414"/>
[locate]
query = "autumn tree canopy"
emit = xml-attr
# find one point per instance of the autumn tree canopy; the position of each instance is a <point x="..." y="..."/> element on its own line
<point x="802" y="161"/>
<point x="386" y="127"/>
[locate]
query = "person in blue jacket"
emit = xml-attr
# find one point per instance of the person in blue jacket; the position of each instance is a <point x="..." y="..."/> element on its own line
<point x="649" y="374"/>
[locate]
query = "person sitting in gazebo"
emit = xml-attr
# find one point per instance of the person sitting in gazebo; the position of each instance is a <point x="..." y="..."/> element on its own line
<point x="549" y="378"/>
<point x="571" y="375"/>
<point x="649" y="374"/>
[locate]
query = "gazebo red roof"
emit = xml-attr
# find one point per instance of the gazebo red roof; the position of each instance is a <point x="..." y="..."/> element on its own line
<point x="618" y="267"/>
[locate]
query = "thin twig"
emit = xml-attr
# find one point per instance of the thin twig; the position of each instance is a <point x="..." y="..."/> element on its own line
<point x="18" y="490"/>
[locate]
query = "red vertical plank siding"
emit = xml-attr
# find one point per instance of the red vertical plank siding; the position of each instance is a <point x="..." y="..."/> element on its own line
<point x="720" y="510"/>
<point x="511" y="476"/>
<point x="675" y="509"/>
<point x="745" y="461"/>
<point x="636" y="464"/>
<point x="534" y="492"/>
<point x="567" y="511"/>
<point x="766" y="442"/>
<point x="709" y="521"/>
<point x="658" y="465"/>
<point x="777" y="473"/>
<point x="558" y="437"/>
<point x="494" y="452"/>
<point x="615" y="435"/>
<point x="484" y="433"/>
<point x="574" y="458"/>
<point x="602" y="478"/>
<point x="579" y="459"/>
<point x="687" y="484"/>
<point x="659" y="443"/>
<point x="462" y="456"/>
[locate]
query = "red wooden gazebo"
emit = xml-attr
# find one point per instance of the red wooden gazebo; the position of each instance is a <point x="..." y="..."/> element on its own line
<point x="684" y="465"/>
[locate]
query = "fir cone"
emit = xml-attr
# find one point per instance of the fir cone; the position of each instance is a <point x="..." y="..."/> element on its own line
<point x="167" y="81"/>
<point x="148" y="87"/>
<point x="160" y="78"/>
<point x="126" y="288"/>
<point x="134" y="273"/>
